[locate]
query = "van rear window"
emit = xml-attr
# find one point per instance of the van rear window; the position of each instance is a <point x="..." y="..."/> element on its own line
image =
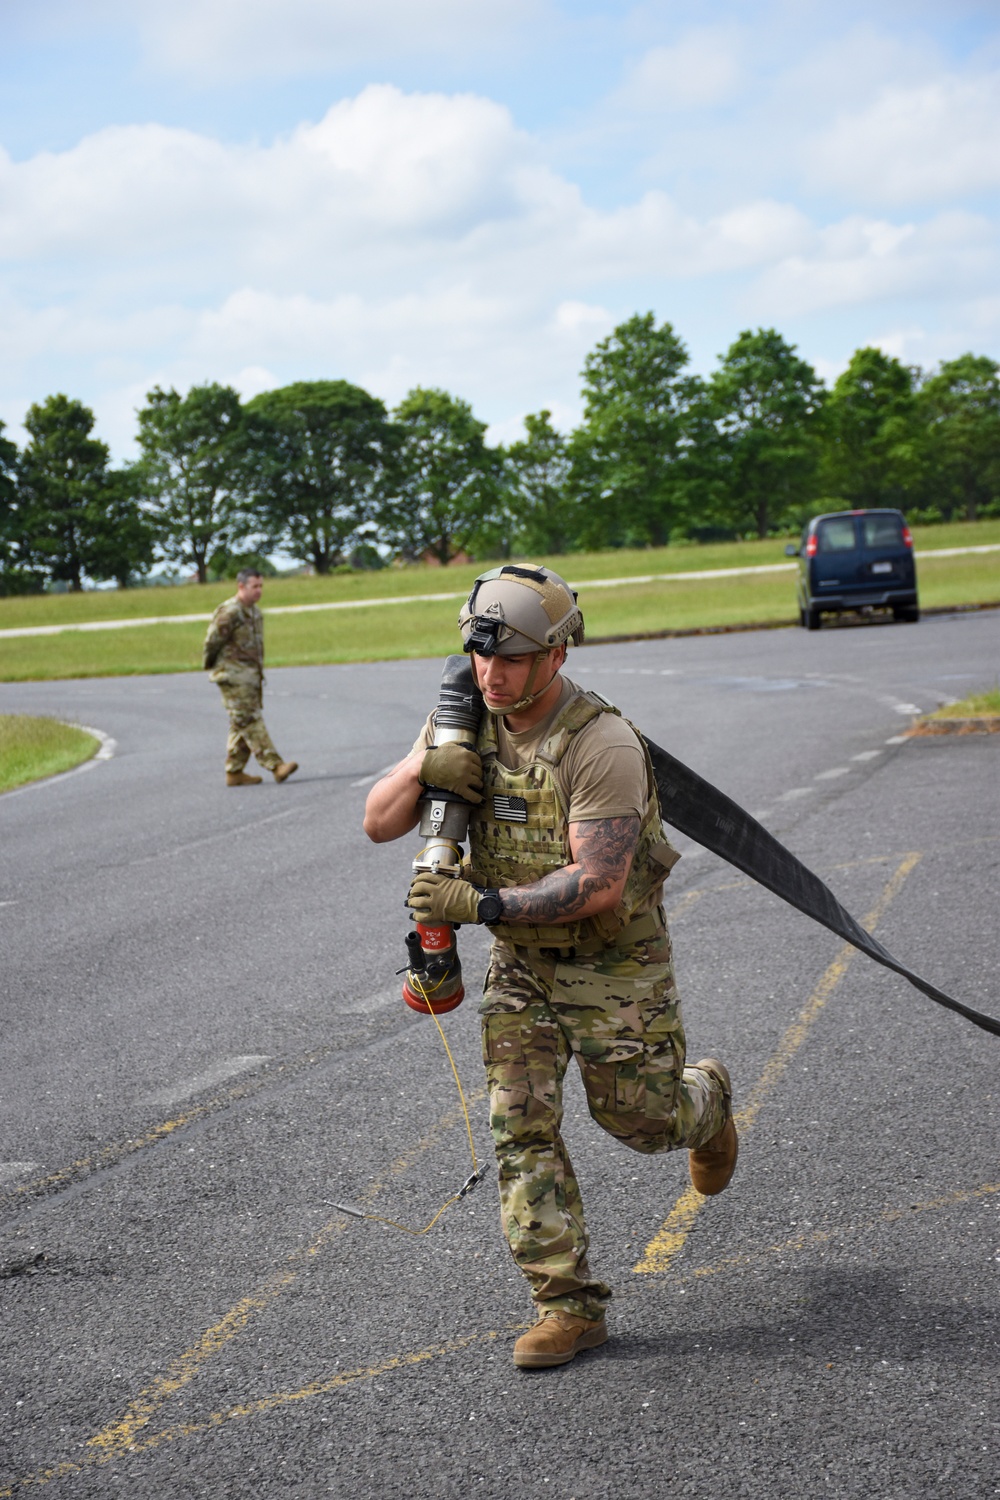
<point x="882" y="531"/>
<point x="836" y="535"/>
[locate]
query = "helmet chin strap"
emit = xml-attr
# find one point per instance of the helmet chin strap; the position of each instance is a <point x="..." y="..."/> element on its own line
<point x="528" y="697"/>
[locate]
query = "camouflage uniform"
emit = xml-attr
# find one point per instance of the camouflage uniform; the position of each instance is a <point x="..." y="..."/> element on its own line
<point x="234" y="655"/>
<point x="600" y="989"/>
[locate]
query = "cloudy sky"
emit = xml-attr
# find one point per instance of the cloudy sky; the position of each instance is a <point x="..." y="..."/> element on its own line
<point x="471" y="193"/>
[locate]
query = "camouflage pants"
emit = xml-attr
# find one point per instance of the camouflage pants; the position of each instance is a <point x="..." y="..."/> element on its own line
<point x="619" y="1014"/>
<point x="247" y="731"/>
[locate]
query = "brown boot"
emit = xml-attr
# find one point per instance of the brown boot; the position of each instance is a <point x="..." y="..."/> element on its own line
<point x="285" y="769"/>
<point x="557" y="1338"/>
<point x="712" y="1165"/>
<point x="240" y="778"/>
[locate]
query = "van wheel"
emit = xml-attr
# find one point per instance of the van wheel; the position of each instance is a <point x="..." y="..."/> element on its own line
<point x="906" y="614"/>
<point x="812" y="619"/>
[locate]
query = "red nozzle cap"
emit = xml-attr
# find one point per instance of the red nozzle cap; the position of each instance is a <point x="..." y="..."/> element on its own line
<point x="432" y="1006"/>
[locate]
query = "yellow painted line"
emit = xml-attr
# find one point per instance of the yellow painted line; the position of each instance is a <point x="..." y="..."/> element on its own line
<point x="118" y="1151"/>
<point x="824" y="1236"/>
<point x="99" y="1457"/>
<point x="120" y="1435"/>
<point x="319" y="1388"/>
<point x="410" y="1358"/>
<point x="105" y="1455"/>
<point x="666" y="1245"/>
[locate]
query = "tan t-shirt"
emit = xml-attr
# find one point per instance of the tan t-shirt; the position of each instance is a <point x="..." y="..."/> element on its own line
<point x="602" y="774"/>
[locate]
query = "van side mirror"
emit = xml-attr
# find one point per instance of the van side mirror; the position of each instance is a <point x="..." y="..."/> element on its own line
<point x="791" y="550"/>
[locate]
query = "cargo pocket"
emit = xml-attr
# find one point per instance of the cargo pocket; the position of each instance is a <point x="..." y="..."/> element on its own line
<point x="629" y="1042"/>
<point x="502" y="1039"/>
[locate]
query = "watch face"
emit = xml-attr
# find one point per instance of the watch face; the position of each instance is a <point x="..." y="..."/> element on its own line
<point x="490" y="907"/>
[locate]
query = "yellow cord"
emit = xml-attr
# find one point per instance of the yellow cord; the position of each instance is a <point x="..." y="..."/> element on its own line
<point x="376" y="1218"/>
<point x="458" y="1082"/>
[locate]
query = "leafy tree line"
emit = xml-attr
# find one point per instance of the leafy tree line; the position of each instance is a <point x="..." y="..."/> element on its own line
<point x="321" y="471"/>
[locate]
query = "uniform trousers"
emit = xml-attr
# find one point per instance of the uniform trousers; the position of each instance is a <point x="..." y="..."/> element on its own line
<point x="243" y="699"/>
<point x="618" y="1013"/>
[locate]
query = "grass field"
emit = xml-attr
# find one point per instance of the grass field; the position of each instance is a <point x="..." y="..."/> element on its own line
<point x="427" y="627"/>
<point x="31" y="748"/>
<point x="967" y="708"/>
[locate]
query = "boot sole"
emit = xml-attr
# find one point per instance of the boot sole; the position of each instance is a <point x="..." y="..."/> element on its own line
<point x="540" y="1361"/>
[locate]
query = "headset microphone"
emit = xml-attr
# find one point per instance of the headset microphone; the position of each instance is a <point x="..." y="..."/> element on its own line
<point x="433" y="982"/>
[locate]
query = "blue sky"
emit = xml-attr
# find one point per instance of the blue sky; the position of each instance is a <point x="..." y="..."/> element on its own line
<point x="471" y="194"/>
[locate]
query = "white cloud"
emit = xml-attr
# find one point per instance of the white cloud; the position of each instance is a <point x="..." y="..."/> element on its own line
<point x="904" y="344"/>
<point x="405" y="239"/>
<point x="700" y="70"/>
<point x="583" y="316"/>
<point x="427" y="189"/>
<point x="859" y="260"/>
<point x="252" y="381"/>
<point x="261" y="38"/>
<point x="564" y="416"/>
<point x="932" y="142"/>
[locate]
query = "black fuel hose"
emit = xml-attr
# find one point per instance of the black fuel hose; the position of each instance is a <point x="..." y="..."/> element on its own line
<point x="696" y="808"/>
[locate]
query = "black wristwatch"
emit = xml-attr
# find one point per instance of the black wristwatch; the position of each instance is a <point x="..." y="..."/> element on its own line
<point x="490" y="908"/>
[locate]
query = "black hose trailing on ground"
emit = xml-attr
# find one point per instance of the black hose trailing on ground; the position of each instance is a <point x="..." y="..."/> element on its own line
<point x="699" y="810"/>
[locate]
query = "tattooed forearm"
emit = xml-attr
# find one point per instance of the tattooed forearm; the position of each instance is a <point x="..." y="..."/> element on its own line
<point x="594" y="882"/>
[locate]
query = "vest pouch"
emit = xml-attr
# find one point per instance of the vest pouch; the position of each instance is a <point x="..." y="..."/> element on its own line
<point x="665" y="855"/>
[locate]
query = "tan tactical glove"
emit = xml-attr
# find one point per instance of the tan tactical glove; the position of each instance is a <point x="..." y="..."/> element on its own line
<point x="443" y="898"/>
<point x="454" y="768"/>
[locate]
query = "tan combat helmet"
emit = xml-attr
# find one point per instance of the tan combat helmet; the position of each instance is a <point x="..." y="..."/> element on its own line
<point x="519" y="608"/>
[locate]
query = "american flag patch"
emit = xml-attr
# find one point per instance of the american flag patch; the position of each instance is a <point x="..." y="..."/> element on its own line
<point x="510" y="809"/>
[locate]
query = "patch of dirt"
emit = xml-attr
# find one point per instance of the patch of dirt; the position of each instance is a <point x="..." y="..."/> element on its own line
<point x="980" y="724"/>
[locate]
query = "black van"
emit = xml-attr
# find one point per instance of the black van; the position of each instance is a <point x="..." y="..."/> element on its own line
<point x="856" y="559"/>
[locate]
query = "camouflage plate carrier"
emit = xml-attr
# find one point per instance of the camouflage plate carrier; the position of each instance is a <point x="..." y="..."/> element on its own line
<point x="521" y="833"/>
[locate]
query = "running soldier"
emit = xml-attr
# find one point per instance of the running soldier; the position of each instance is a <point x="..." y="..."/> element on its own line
<point x="567" y="862"/>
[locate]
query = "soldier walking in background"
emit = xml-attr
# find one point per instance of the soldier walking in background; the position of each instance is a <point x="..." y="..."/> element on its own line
<point x="234" y="656"/>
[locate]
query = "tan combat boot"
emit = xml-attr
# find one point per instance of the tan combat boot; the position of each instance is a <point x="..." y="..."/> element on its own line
<point x="285" y="769"/>
<point x="240" y="778"/>
<point x="557" y="1338"/>
<point x="712" y="1165"/>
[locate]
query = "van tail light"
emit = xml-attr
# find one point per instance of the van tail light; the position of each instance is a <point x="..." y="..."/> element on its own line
<point x="907" y="538"/>
<point x="811" y="546"/>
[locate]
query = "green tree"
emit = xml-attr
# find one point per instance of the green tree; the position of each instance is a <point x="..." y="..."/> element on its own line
<point x="124" y="544"/>
<point x="322" y="450"/>
<point x="624" y="454"/>
<point x="446" y="480"/>
<point x="960" y="407"/>
<point x="872" y="451"/>
<point x="64" y="487"/>
<point x="765" y="401"/>
<point x="17" y="573"/>
<point x="536" y="475"/>
<point x="196" y="472"/>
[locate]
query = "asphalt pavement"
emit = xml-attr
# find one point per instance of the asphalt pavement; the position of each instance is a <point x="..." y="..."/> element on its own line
<point x="204" y="1052"/>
